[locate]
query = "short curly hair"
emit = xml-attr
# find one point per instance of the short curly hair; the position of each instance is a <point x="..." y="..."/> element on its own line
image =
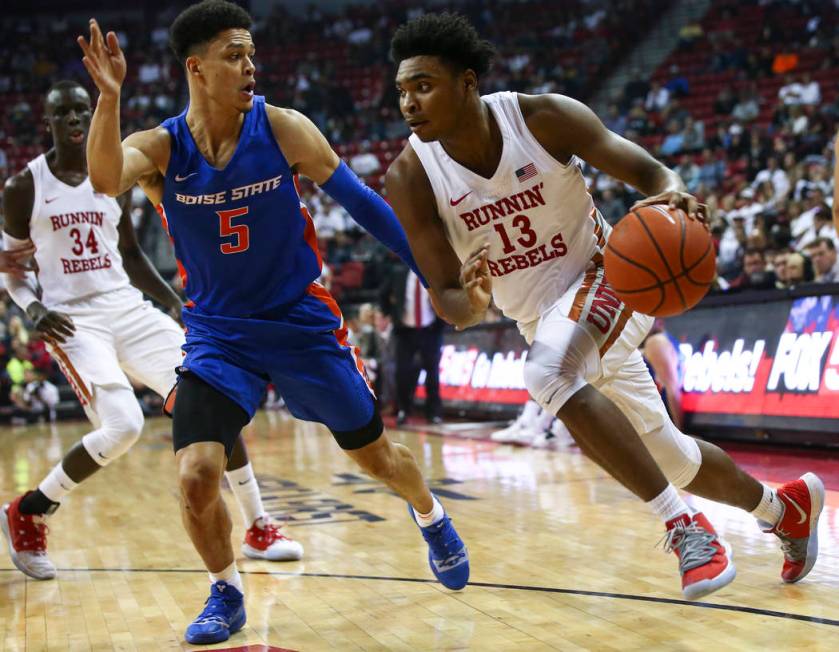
<point x="199" y="24"/>
<point x="448" y="36"/>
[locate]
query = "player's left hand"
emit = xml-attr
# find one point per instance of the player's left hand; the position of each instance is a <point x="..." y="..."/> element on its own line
<point x="678" y="199"/>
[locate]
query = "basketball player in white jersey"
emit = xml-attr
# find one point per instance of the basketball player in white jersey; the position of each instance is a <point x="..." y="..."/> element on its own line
<point x="91" y="312"/>
<point x="491" y="195"/>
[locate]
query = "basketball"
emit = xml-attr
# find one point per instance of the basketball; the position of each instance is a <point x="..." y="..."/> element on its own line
<point x="659" y="261"/>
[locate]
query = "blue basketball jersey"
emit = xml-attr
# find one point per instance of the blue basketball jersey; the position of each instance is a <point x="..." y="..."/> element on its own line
<point x="245" y="243"/>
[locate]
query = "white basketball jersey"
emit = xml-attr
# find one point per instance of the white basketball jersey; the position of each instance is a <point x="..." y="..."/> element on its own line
<point x="76" y="240"/>
<point x="534" y="212"/>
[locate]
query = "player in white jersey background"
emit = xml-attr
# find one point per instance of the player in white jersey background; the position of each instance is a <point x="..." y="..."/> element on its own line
<point x="86" y="301"/>
<point x="495" y="207"/>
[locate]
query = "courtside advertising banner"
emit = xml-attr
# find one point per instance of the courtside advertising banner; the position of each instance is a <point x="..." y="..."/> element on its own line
<point x="753" y="365"/>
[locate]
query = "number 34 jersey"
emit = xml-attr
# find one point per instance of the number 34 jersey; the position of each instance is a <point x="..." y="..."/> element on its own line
<point x="534" y="212"/>
<point x="74" y="230"/>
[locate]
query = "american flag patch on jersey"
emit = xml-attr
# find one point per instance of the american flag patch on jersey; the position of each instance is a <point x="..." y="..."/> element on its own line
<point x="527" y="172"/>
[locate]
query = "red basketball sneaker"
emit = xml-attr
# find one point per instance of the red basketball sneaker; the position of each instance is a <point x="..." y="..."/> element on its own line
<point x="803" y="500"/>
<point x="704" y="558"/>
<point x="263" y="540"/>
<point x="27" y="537"/>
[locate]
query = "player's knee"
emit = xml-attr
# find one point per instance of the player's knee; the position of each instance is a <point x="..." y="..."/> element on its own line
<point x="677" y="454"/>
<point x="120" y="427"/>
<point x="199" y="483"/>
<point x="550" y="378"/>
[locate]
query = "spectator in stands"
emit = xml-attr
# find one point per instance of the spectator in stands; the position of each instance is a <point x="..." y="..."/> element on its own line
<point x="18" y="364"/>
<point x="815" y="179"/>
<point x="365" y="162"/>
<point x="712" y="170"/>
<point x="811" y="93"/>
<point x="693" y="132"/>
<point x="369" y="342"/>
<point x="799" y="269"/>
<point x="657" y="98"/>
<point x="755" y="275"/>
<point x="4" y="164"/>
<point x="678" y="84"/>
<point x="725" y="102"/>
<point x="822" y="252"/>
<point x="747" y="107"/>
<point x="330" y="218"/>
<point x="611" y="206"/>
<point x="689" y="172"/>
<point x="674" y="142"/>
<point x="776" y="176"/>
<point x="615" y="120"/>
<point x="791" y="93"/>
<point x="636" y="88"/>
<point x="39" y="396"/>
<point x="637" y="123"/>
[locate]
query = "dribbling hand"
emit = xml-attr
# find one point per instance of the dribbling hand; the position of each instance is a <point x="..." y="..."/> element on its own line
<point x="103" y="59"/>
<point x="677" y="199"/>
<point x="476" y="280"/>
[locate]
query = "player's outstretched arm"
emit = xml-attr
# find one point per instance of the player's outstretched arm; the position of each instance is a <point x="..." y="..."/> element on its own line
<point x="308" y="153"/>
<point x="460" y="294"/>
<point x="113" y="167"/>
<point x="562" y="124"/>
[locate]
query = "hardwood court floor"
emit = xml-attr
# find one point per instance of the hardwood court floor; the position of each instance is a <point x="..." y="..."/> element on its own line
<point x="562" y="558"/>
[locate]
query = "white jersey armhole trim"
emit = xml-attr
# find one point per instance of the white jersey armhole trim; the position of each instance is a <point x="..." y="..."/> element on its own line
<point x="36" y="170"/>
<point x="572" y="162"/>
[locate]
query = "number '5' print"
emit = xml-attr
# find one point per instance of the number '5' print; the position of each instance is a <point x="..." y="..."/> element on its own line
<point x="239" y="232"/>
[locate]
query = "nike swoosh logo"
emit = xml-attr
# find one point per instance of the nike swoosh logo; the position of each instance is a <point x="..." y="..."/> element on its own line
<point x="455" y="202"/>
<point x="800" y="511"/>
<point x="102" y="456"/>
<point x="47" y="201"/>
<point x="245" y="482"/>
<point x="179" y="178"/>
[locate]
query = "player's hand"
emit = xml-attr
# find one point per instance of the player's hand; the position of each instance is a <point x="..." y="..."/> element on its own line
<point x="476" y="279"/>
<point x="16" y="261"/>
<point x="104" y="60"/>
<point x="53" y="325"/>
<point x="677" y="199"/>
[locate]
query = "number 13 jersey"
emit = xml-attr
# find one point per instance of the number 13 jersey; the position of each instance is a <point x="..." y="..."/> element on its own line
<point x="534" y="212"/>
<point x="75" y="234"/>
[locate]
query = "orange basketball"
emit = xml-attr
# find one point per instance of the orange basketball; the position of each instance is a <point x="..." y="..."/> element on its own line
<point x="659" y="261"/>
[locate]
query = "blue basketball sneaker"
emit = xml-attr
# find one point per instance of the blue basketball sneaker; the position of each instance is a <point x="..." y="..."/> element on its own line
<point x="223" y="615"/>
<point x="447" y="554"/>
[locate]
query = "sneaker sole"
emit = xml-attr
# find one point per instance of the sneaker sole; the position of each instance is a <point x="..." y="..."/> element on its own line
<point x="4" y="525"/>
<point x="255" y="553"/>
<point x="816" y="489"/>
<point x="706" y="587"/>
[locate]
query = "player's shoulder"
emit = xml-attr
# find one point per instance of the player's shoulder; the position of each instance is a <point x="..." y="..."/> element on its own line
<point x="550" y="106"/>
<point x="150" y="140"/>
<point x="406" y="170"/>
<point x="20" y="183"/>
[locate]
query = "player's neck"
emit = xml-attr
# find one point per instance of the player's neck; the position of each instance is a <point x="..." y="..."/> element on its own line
<point x="68" y="160"/>
<point x="476" y="143"/>
<point x="211" y="125"/>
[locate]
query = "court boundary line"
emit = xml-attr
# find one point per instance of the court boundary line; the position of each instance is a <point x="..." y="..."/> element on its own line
<point x="486" y="585"/>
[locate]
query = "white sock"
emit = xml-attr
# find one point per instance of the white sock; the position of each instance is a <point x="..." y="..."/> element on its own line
<point x="229" y="575"/>
<point x="770" y="508"/>
<point x="529" y="413"/>
<point x="543" y="421"/>
<point x="433" y="516"/>
<point x="244" y="486"/>
<point x="57" y="484"/>
<point x="668" y="504"/>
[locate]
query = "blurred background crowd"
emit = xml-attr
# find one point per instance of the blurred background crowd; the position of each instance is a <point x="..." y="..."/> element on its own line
<point x="744" y="109"/>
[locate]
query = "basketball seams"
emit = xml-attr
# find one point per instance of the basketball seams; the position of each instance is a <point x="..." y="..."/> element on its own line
<point x="683" y="274"/>
<point x="659" y="283"/>
<point x="646" y="228"/>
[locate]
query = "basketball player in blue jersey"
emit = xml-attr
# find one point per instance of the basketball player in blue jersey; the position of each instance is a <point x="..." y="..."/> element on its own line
<point x="490" y="193"/>
<point x="223" y="174"/>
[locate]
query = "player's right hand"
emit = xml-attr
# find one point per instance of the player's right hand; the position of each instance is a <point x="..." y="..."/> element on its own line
<point x="14" y="261"/>
<point x="51" y="324"/>
<point x="103" y="59"/>
<point x="476" y="280"/>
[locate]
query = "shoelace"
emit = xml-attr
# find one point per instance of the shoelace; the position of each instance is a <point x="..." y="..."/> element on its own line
<point x="692" y="543"/>
<point x="794" y="549"/>
<point x="215" y="610"/>
<point x="447" y="544"/>
<point x="273" y="532"/>
<point x="31" y="534"/>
